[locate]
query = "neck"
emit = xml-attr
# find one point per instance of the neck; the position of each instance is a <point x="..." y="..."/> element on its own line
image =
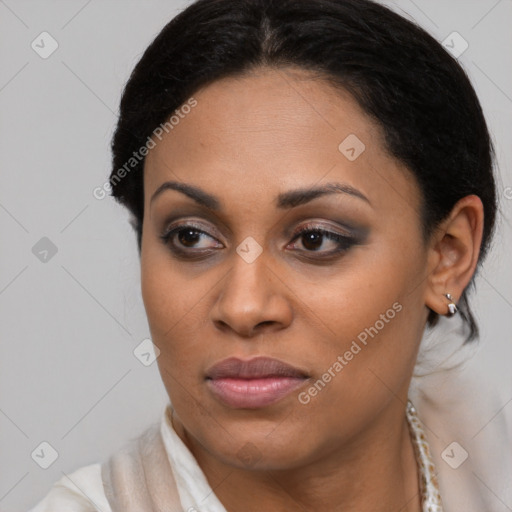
<point x="368" y="474"/>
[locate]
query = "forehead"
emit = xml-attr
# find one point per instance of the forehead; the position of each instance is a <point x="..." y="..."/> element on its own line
<point x="272" y="130"/>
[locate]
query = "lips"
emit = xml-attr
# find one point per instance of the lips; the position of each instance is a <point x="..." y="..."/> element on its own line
<point x="253" y="383"/>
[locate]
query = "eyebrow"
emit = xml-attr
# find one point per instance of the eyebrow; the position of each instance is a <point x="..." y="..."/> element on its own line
<point x="285" y="200"/>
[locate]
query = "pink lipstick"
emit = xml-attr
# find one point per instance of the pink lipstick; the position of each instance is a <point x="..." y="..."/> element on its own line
<point x="253" y="383"/>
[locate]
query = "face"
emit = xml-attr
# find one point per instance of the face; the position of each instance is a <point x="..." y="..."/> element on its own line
<point x="251" y="263"/>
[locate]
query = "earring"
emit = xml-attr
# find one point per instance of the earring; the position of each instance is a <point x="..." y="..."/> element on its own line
<point x="452" y="307"/>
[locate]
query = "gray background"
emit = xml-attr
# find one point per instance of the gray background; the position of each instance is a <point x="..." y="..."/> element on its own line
<point x="68" y="374"/>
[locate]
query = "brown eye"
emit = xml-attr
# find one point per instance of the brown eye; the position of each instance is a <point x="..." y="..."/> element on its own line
<point x="314" y="238"/>
<point x="186" y="238"/>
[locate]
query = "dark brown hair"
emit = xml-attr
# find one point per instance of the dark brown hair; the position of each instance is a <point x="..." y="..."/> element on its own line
<point x="399" y="74"/>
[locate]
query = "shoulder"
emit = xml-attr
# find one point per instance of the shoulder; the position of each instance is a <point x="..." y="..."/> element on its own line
<point x="80" y="491"/>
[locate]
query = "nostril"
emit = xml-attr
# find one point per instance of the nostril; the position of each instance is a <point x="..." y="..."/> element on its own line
<point x="265" y="322"/>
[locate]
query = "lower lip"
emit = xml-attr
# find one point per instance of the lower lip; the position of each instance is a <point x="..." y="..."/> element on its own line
<point x="253" y="393"/>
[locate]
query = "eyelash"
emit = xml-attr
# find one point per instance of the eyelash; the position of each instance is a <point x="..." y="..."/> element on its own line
<point x="344" y="241"/>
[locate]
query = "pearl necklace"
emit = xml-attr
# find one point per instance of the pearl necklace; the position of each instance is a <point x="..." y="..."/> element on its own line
<point x="429" y="486"/>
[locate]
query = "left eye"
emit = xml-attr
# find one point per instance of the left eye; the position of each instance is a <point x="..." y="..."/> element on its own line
<point x="313" y="239"/>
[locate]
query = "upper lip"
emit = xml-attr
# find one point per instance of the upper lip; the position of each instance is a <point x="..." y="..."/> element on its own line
<point x="258" y="367"/>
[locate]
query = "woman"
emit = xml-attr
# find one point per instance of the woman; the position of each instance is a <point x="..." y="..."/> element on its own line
<point x="311" y="187"/>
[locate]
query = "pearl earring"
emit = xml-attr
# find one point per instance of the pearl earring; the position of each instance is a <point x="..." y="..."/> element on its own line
<point x="452" y="307"/>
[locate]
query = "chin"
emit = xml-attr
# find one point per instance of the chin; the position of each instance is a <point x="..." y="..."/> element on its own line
<point x="258" y="455"/>
<point x="264" y="446"/>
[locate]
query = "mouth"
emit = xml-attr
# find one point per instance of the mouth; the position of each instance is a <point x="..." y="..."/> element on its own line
<point x="253" y="383"/>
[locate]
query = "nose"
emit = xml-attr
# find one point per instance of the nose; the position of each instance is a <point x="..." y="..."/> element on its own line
<point x="252" y="299"/>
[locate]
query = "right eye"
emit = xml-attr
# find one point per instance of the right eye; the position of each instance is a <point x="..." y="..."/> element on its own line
<point x="184" y="238"/>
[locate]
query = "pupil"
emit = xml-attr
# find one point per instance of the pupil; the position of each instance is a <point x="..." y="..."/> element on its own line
<point x="313" y="240"/>
<point x="188" y="237"/>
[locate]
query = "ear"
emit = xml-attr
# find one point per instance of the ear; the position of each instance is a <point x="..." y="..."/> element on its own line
<point x="453" y="253"/>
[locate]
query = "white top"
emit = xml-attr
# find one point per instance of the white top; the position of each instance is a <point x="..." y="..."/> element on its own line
<point x="467" y="426"/>
<point x="82" y="490"/>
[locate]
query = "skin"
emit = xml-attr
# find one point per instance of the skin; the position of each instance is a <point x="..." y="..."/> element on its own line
<point x="249" y="139"/>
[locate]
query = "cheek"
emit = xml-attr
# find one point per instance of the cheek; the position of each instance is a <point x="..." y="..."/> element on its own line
<point x="168" y="291"/>
<point x="177" y="308"/>
<point x="172" y="308"/>
<point x="372" y="318"/>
